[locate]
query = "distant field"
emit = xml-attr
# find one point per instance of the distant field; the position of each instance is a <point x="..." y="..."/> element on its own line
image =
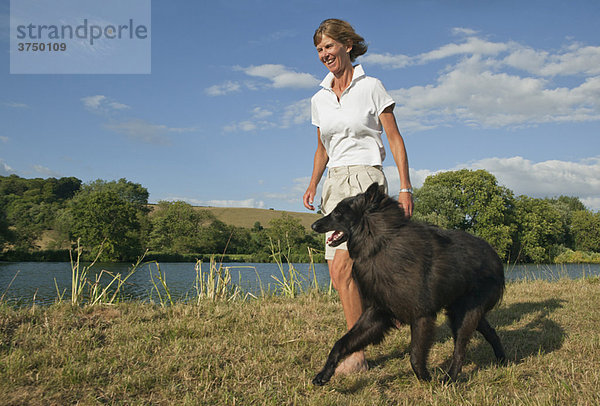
<point x="245" y="217"/>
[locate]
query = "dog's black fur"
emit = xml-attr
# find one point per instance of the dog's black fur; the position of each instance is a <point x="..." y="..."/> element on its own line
<point x="407" y="272"/>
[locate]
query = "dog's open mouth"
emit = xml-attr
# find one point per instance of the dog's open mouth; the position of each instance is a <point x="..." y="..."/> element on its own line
<point x="336" y="238"/>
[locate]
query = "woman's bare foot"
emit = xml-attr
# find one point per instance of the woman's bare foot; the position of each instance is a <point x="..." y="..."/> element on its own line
<point x="353" y="363"/>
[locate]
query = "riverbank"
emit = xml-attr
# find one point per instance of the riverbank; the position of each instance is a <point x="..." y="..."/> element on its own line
<point x="266" y="351"/>
<point x="64" y="255"/>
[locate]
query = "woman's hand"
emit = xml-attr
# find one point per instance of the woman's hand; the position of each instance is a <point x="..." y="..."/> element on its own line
<point x="405" y="201"/>
<point x="319" y="164"/>
<point x="309" y="198"/>
<point x="388" y="121"/>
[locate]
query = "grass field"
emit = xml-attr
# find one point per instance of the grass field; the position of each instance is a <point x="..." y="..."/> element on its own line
<point x="266" y="351"/>
<point x="246" y="217"/>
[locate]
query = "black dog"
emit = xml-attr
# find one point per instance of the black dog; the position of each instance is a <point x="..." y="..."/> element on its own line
<point x="407" y="272"/>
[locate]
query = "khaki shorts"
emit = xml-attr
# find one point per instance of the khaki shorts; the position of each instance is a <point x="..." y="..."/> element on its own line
<point x="346" y="181"/>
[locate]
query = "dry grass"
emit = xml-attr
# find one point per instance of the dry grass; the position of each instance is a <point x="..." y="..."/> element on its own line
<point x="266" y="351"/>
<point x="246" y="217"/>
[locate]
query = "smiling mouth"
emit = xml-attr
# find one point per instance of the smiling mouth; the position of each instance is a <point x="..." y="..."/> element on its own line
<point x="336" y="238"/>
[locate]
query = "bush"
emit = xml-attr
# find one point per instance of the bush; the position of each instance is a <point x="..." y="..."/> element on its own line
<point x="578" y="257"/>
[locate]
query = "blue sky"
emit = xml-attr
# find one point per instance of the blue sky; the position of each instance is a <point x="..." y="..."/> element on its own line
<point x="223" y="119"/>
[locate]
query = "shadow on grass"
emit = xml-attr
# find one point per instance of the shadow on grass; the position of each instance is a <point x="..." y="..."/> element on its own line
<point x="540" y="335"/>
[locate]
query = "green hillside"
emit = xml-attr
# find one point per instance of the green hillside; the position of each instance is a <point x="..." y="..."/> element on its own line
<point x="246" y="217"/>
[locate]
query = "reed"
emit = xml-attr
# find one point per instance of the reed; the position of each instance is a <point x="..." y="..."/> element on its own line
<point x="79" y="274"/>
<point x="162" y="279"/>
<point x="8" y="287"/>
<point x="216" y="283"/>
<point x="290" y="284"/>
<point x="96" y="292"/>
<point x="312" y="270"/>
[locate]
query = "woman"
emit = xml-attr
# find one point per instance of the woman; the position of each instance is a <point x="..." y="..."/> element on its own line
<point x="350" y="112"/>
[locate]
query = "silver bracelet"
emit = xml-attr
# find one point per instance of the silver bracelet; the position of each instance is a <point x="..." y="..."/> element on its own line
<point x="408" y="190"/>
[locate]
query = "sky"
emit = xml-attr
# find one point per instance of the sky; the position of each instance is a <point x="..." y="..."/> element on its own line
<point x="223" y="116"/>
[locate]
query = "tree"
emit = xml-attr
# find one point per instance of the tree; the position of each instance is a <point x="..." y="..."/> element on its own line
<point x="585" y="227"/>
<point x="109" y="213"/>
<point x="540" y="230"/>
<point x="288" y="234"/>
<point x="471" y="201"/>
<point x="128" y="191"/>
<point x="5" y="234"/>
<point x="566" y="206"/>
<point x="178" y="228"/>
<point x="29" y="220"/>
<point x="286" y="229"/>
<point x="31" y="205"/>
<point x="65" y="188"/>
<point x="216" y="238"/>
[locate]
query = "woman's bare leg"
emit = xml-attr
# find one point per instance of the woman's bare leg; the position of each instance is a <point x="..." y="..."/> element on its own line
<point x="340" y="271"/>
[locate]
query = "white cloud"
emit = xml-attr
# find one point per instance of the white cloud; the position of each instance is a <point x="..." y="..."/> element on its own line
<point x="293" y="114"/>
<point x="4" y="139"/>
<point x="5" y="170"/>
<point x="592" y="203"/>
<point x="294" y="193"/>
<point x="296" y="113"/>
<point x="118" y="106"/>
<point x="281" y="76"/>
<point x="16" y="105"/>
<point x="251" y="203"/>
<point x="144" y="131"/>
<point x="545" y="179"/>
<point x="135" y="128"/>
<point x="536" y="179"/>
<point x="474" y="95"/>
<point x="247" y="203"/>
<point x="472" y="46"/>
<point x="102" y="104"/>
<point x="498" y="84"/>
<point x="244" y="126"/>
<point x="222" y="89"/>
<point x="47" y="172"/>
<point x="93" y="102"/>
<point x="387" y="60"/>
<point x="574" y="60"/>
<point x="463" y="31"/>
<point x="259" y="112"/>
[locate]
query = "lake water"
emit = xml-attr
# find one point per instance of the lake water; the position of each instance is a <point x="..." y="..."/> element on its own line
<point x="20" y="282"/>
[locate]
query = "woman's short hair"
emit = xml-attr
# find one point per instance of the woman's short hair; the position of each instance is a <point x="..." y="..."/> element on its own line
<point x="342" y="32"/>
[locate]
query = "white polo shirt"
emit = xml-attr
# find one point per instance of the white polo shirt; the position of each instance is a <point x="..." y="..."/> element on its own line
<point x="350" y="128"/>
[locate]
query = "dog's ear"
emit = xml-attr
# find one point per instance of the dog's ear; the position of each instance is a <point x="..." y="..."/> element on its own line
<point x="373" y="192"/>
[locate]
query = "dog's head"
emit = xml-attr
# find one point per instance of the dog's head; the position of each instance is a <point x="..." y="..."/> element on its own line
<point x="349" y="214"/>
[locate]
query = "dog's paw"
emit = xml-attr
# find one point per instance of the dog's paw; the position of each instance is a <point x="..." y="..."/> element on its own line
<point x="322" y="378"/>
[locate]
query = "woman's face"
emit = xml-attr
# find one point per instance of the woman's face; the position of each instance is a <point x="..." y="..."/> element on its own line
<point x="333" y="54"/>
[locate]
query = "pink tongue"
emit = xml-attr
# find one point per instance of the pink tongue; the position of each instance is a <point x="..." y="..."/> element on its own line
<point x="333" y="236"/>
